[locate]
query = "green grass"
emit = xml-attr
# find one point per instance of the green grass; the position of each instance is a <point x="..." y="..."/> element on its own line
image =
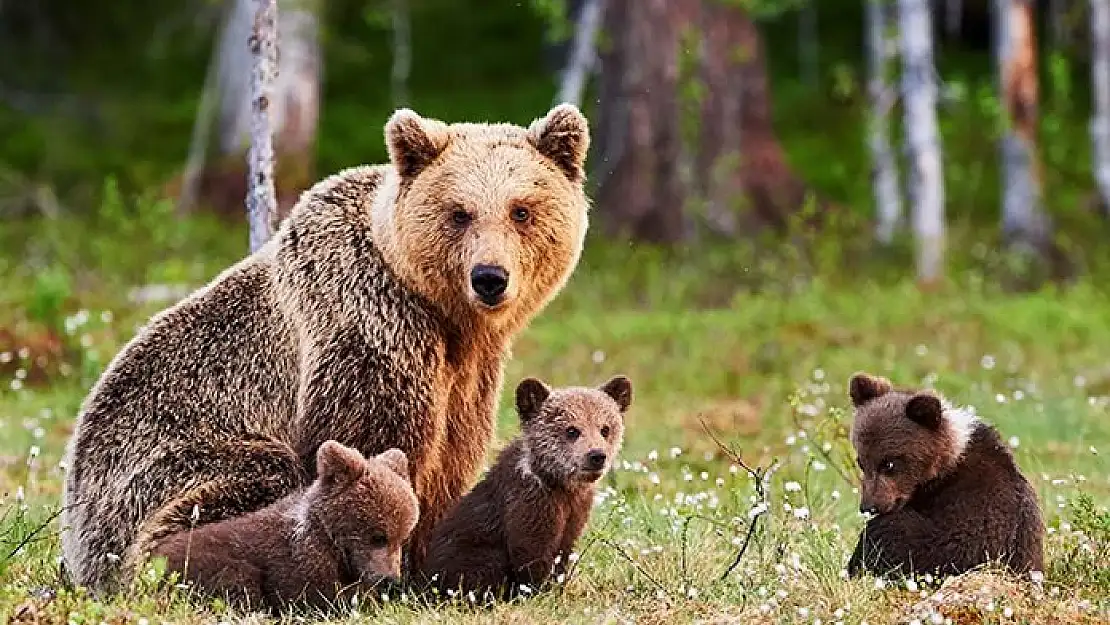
<point x="757" y="346"/>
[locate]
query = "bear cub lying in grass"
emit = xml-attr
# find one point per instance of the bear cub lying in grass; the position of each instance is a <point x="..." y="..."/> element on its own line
<point x="946" y="491"/>
<point x="342" y="534"/>
<point x="519" y="524"/>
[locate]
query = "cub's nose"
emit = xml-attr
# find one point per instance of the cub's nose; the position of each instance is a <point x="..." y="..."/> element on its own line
<point x="868" y="508"/>
<point x="595" y="459"/>
<point x="489" y="283"/>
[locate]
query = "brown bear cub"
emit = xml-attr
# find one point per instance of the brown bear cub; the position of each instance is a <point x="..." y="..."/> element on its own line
<point x="947" y="494"/>
<point x="518" y="526"/>
<point x="342" y="534"/>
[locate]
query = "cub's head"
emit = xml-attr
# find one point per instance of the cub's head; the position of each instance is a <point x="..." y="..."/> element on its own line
<point x="489" y="219"/>
<point x="366" y="505"/>
<point x="572" y="434"/>
<point x="902" y="439"/>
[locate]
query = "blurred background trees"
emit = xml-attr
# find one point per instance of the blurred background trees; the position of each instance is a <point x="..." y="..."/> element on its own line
<point x="732" y="121"/>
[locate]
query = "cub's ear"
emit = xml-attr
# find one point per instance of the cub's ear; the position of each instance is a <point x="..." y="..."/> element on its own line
<point x="414" y="141"/>
<point x="926" y="410"/>
<point x="530" y="395"/>
<point x="337" y="463"/>
<point x="619" y="387"/>
<point x="863" y="387"/>
<point x="397" y="462"/>
<point x="563" y="136"/>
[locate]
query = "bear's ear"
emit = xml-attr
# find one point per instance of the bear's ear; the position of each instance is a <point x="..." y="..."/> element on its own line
<point x="620" y="389"/>
<point x="563" y="136"/>
<point x="530" y="395"/>
<point x="926" y="410"/>
<point x="413" y="141"/>
<point x="397" y="462"/>
<point x="864" y="387"/>
<point x="337" y="463"/>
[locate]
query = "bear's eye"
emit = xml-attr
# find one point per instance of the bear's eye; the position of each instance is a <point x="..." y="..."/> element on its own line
<point x="573" y="433"/>
<point x="379" y="539"/>
<point x="605" y="431"/>
<point x="887" y="467"/>
<point x="519" y="214"/>
<point x="460" y="217"/>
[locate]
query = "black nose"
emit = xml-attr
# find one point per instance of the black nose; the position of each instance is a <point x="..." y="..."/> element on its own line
<point x="868" y="508"/>
<point x="489" y="283"/>
<point x="595" y="459"/>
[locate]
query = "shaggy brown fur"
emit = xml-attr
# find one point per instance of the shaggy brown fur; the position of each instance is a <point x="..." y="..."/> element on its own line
<point x="948" y="494"/>
<point x="525" y="516"/>
<point x="379" y="315"/>
<point x="341" y="535"/>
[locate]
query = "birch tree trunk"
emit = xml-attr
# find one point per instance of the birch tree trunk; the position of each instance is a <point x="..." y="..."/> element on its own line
<point x="583" y="53"/>
<point x="924" y="149"/>
<point x="402" y="53"/>
<point x="1100" y="80"/>
<point x="1024" y="223"/>
<point x="884" y="173"/>
<point x="262" y="200"/>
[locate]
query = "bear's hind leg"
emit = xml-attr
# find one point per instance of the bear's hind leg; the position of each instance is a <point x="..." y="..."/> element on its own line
<point x="221" y="482"/>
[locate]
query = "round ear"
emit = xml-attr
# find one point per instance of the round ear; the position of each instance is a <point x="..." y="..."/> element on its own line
<point x="863" y="387"/>
<point x="413" y="141"/>
<point x="619" y="387"/>
<point x="563" y="137"/>
<point x="397" y="462"/>
<point x="926" y="410"/>
<point x="530" y="395"/>
<point x="338" y="463"/>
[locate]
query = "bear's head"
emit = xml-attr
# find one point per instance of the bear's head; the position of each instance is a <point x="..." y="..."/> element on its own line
<point x="366" y="506"/>
<point x="903" y="440"/>
<point x="488" y="220"/>
<point x="572" y="434"/>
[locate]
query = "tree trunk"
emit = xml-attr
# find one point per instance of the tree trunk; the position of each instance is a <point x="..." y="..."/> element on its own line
<point x="294" y="111"/>
<point x="1024" y="223"/>
<point x="884" y="174"/>
<point x="924" y="150"/>
<point x="583" y="53"/>
<point x="684" y="136"/>
<point x="261" y="201"/>
<point x="402" y="53"/>
<point x="1100" y="79"/>
<point x="953" y="18"/>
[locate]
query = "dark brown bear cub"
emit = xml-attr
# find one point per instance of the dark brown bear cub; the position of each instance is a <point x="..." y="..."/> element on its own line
<point x="523" y="519"/>
<point x="946" y="491"/>
<point x="342" y="534"/>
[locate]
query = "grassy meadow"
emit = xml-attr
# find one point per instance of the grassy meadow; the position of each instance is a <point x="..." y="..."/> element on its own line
<point x="739" y="358"/>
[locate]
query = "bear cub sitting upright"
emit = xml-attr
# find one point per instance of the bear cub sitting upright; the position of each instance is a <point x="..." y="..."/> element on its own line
<point x="342" y="534"/>
<point x="946" y="491"/>
<point x="522" y="520"/>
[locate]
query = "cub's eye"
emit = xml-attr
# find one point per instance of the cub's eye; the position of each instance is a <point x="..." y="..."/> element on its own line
<point x="460" y="217"/>
<point x="519" y="214"/>
<point x="379" y="540"/>
<point x="887" y="467"/>
<point x="573" y="433"/>
<point x="605" y="431"/>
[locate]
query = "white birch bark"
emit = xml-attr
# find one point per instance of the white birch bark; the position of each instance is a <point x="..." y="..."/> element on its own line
<point x="583" y="53"/>
<point x="261" y="197"/>
<point x="1100" y="80"/>
<point x="1023" y="220"/>
<point x="884" y="172"/>
<point x="923" y="145"/>
<point x="402" y="53"/>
